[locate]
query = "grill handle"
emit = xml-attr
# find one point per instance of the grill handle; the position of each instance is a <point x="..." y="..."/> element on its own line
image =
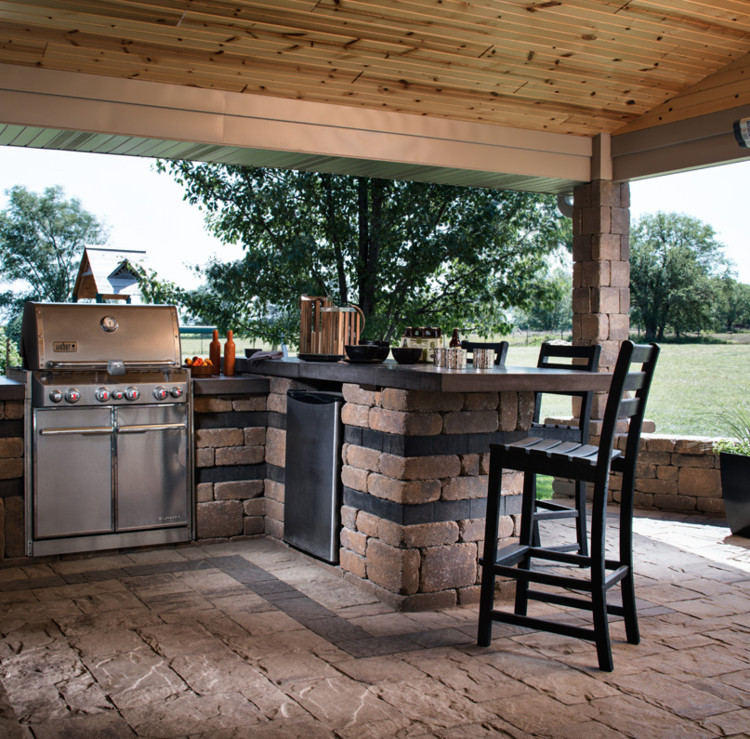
<point x="158" y="364"/>
<point x="85" y="431"/>
<point x="140" y="428"/>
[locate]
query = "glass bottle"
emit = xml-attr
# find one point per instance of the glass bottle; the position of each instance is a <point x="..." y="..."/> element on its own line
<point x="455" y="340"/>
<point x="214" y="353"/>
<point x="229" y="350"/>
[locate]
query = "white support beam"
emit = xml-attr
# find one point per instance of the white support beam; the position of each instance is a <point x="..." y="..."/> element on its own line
<point x="348" y="138"/>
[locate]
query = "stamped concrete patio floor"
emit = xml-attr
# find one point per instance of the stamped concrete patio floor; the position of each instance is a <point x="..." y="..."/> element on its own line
<point x="252" y="639"/>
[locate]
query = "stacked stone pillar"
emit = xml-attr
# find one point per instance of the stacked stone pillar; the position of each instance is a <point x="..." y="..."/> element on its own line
<point x="601" y="271"/>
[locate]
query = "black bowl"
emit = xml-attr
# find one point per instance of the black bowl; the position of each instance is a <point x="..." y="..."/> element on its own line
<point x="362" y="352"/>
<point x="383" y="347"/>
<point x="250" y="352"/>
<point x="406" y="354"/>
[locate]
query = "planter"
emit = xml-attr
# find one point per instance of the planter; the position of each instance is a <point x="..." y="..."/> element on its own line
<point x="735" y="489"/>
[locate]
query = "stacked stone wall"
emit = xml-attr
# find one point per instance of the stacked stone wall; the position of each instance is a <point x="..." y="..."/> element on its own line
<point x="230" y="452"/>
<point x="674" y="473"/>
<point x="414" y="473"/>
<point x="11" y="479"/>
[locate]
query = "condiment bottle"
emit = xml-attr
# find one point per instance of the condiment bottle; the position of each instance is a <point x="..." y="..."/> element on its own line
<point x="455" y="341"/>
<point x="229" y="350"/>
<point x="214" y="353"/>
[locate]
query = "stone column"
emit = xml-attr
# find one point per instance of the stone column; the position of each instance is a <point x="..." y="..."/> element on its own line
<point x="601" y="270"/>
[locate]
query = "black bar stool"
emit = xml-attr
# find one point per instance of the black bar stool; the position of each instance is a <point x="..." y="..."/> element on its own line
<point x="633" y="374"/>
<point x="555" y="356"/>
<point x="500" y="347"/>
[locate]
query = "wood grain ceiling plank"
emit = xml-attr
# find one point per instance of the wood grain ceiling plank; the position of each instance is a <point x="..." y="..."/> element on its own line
<point x="512" y="112"/>
<point x="529" y="88"/>
<point x="480" y="73"/>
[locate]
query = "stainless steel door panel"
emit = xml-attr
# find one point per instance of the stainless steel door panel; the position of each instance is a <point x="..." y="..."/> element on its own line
<point x="152" y="479"/>
<point x="72" y="487"/>
<point x="313" y="461"/>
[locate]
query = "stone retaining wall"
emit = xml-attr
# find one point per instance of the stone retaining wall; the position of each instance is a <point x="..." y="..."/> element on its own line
<point x="673" y="474"/>
<point x="11" y="479"/>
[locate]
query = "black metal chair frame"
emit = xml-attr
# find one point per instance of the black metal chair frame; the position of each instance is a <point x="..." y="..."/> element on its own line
<point x="591" y="464"/>
<point x="500" y="347"/>
<point x="547" y="509"/>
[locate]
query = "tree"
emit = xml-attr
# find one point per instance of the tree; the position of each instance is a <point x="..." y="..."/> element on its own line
<point x="673" y="258"/>
<point x="732" y="305"/>
<point x="41" y="242"/>
<point x="553" y="309"/>
<point x="407" y="253"/>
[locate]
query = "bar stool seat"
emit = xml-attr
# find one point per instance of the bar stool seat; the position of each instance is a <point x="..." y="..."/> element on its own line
<point x="593" y="574"/>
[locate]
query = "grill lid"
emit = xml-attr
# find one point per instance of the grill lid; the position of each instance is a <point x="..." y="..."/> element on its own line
<point x="99" y="336"/>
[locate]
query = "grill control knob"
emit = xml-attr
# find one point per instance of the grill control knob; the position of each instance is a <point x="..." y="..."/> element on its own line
<point x="176" y="392"/>
<point x="102" y="395"/>
<point x="132" y="393"/>
<point x="161" y="393"/>
<point x="55" y="396"/>
<point x="118" y="394"/>
<point x="72" y="395"/>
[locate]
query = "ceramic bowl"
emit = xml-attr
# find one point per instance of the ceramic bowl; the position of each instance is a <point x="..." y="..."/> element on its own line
<point x="406" y="354"/>
<point x="362" y="352"/>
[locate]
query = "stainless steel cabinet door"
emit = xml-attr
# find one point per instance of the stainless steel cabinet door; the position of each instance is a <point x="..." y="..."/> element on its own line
<point x="72" y="471"/>
<point x="152" y="476"/>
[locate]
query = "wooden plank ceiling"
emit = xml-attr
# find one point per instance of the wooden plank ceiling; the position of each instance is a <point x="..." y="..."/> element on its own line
<point x="567" y="66"/>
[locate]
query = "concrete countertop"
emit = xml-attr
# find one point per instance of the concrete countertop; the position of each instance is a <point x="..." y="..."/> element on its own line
<point x="428" y="378"/>
<point x="10" y="389"/>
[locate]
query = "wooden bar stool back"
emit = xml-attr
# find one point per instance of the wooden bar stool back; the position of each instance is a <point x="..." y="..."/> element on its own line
<point x="591" y="575"/>
<point x="583" y="358"/>
<point x="500" y="347"/>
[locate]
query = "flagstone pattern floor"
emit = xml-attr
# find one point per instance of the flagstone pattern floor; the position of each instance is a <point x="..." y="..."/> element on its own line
<point x="253" y="639"/>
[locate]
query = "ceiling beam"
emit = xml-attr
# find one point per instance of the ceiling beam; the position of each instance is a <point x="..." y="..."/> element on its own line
<point x="347" y="138"/>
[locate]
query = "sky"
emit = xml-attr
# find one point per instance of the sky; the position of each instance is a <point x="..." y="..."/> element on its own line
<point x="145" y="210"/>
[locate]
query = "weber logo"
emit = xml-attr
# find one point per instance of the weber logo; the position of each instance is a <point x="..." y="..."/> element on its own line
<point x="65" y="346"/>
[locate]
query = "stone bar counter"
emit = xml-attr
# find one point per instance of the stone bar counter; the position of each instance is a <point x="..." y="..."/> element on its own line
<point x="414" y="472"/>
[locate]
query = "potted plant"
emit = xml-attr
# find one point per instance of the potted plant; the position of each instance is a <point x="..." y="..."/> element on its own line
<point x="734" y="456"/>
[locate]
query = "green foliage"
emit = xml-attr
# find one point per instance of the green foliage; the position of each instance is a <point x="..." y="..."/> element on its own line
<point x="673" y="258"/>
<point x="407" y="253"/>
<point x="9" y="356"/>
<point x="553" y="309"/>
<point x="41" y="242"/>
<point x="732" y="304"/>
<point x="737" y="419"/>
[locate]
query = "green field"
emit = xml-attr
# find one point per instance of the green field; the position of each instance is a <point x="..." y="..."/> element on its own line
<point x="692" y="383"/>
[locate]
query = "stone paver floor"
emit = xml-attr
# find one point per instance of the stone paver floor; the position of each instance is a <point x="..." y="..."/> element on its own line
<point x="252" y="639"/>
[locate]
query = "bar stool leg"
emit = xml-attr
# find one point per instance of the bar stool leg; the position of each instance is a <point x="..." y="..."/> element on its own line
<point x="580" y="503"/>
<point x="529" y="527"/>
<point x="487" y="592"/>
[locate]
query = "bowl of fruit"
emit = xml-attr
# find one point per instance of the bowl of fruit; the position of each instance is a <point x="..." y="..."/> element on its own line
<point x="200" y="367"/>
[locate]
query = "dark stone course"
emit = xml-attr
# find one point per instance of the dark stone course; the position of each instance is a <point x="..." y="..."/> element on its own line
<point x="11" y="429"/>
<point x="275" y="473"/>
<point x="231" y="420"/>
<point x="10" y="488"/>
<point x="231" y="474"/>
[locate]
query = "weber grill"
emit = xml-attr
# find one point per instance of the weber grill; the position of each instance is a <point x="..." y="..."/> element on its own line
<point x="108" y="452"/>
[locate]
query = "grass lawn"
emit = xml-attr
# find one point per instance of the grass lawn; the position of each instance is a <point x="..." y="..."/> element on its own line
<point x="692" y="382"/>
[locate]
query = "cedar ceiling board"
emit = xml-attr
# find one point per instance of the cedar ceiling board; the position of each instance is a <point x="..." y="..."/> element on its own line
<point x="335" y="33"/>
<point x="692" y="33"/>
<point x="453" y="104"/>
<point x="368" y="52"/>
<point x="268" y="65"/>
<point x="722" y="91"/>
<point x="137" y="50"/>
<point x="525" y="35"/>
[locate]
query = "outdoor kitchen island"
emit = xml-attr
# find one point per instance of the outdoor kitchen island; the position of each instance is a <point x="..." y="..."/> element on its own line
<point x="414" y="466"/>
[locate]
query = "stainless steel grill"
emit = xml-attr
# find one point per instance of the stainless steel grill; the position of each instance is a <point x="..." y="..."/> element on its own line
<point x="108" y="438"/>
